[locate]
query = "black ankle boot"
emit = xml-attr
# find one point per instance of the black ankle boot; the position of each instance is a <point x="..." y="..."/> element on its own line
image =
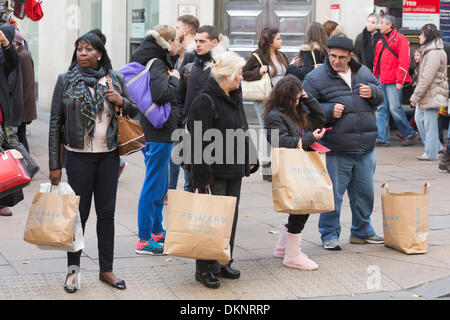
<point x="208" y="279"/>
<point x="229" y="273"/>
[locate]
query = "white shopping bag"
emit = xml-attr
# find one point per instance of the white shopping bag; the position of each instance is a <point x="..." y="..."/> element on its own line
<point x="78" y="238"/>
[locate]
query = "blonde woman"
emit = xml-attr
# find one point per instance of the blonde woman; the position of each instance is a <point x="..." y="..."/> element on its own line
<point x="219" y="106"/>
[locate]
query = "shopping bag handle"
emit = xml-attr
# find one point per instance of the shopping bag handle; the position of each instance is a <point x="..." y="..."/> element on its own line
<point x="385" y="187"/>
<point x="209" y="191"/>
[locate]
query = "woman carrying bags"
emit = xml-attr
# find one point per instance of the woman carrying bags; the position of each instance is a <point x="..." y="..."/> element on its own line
<point x="219" y="108"/>
<point x="431" y="91"/>
<point x="83" y="119"/>
<point x="284" y="111"/>
<point x="275" y="63"/>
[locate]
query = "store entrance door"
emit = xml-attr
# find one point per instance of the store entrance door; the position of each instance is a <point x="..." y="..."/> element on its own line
<point x="242" y="20"/>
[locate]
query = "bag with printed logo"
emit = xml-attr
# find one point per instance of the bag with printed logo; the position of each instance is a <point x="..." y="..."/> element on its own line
<point x="199" y="226"/>
<point x="300" y="182"/>
<point x="405" y="220"/>
<point x="52" y="217"/>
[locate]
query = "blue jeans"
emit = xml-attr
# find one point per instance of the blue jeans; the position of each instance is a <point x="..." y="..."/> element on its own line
<point x="264" y="147"/>
<point x="392" y="106"/>
<point x="174" y="172"/>
<point x="354" y="174"/>
<point x="426" y="121"/>
<point x="151" y="200"/>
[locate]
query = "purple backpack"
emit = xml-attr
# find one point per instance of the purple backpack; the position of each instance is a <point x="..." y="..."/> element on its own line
<point x="137" y="79"/>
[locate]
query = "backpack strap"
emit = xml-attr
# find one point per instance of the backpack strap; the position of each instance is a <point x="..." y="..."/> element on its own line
<point x="213" y="105"/>
<point x="386" y="45"/>
<point x="147" y="69"/>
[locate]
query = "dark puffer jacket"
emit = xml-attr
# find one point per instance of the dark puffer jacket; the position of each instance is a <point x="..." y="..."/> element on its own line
<point x="228" y="115"/>
<point x="356" y="131"/>
<point x="163" y="88"/>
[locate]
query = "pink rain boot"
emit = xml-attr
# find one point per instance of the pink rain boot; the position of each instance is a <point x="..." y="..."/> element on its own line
<point x="281" y="244"/>
<point x="293" y="257"/>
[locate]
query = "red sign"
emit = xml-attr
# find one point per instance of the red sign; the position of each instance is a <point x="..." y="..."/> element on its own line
<point x="334" y="7"/>
<point x="421" y="6"/>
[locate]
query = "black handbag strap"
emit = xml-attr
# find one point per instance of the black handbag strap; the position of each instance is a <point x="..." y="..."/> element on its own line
<point x="386" y="45"/>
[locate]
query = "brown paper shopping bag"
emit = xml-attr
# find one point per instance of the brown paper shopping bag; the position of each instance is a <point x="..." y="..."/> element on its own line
<point x="300" y="182"/>
<point x="405" y="220"/>
<point x="199" y="226"/>
<point x="51" y="219"/>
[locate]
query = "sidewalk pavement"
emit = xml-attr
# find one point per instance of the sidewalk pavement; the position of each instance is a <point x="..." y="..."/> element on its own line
<point x="356" y="272"/>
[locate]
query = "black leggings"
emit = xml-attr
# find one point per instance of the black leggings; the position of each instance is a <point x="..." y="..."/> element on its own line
<point x="296" y="223"/>
<point x="95" y="174"/>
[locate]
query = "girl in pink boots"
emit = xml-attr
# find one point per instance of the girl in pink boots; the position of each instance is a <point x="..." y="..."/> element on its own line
<point x="285" y="111"/>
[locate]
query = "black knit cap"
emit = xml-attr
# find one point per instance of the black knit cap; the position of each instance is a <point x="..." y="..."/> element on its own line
<point x="340" y="43"/>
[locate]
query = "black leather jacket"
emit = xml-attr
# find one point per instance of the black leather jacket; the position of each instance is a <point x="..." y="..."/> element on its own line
<point x="67" y="123"/>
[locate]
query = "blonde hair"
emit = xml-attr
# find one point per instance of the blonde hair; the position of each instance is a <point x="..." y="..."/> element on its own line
<point x="166" y="32"/>
<point x="226" y="65"/>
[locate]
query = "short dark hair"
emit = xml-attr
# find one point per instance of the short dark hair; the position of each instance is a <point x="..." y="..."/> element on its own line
<point x="191" y="21"/>
<point x="212" y="32"/>
<point x="98" y="45"/>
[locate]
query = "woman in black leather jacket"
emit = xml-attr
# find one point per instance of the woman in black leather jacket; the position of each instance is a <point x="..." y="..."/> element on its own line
<point x="299" y="120"/>
<point x="83" y="120"/>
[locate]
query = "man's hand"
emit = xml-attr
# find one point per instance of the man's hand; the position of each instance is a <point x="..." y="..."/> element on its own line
<point x="365" y="91"/>
<point x="338" y="110"/>
<point x="55" y="176"/>
<point x="413" y="104"/>
<point x="399" y="86"/>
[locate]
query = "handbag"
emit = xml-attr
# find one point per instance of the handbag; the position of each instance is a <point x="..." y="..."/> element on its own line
<point x="199" y="226"/>
<point x="137" y="79"/>
<point x="257" y="90"/>
<point x="13" y="175"/>
<point x="51" y="219"/>
<point x="78" y="237"/>
<point x="301" y="183"/>
<point x="131" y="135"/>
<point x="405" y="220"/>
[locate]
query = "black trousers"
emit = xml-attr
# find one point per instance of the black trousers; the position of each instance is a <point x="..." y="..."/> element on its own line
<point x="296" y="223"/>
<point x="22" y="134"/>
<point x="95" y="174"/>
<point x="223" y="187"/>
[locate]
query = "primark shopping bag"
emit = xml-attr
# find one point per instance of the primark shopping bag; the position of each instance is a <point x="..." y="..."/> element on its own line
<point x="300" y="182"/>
<point x="199" y="226"/>
<point x="51" y="219"/>
<point x="405" y="220"/>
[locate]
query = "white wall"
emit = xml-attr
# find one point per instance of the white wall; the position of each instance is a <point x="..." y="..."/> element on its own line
<point x="353" y="14"/>
<point x="58" y="31"/>
<point x="168" y="11"/>
<point x="114" y="27"/>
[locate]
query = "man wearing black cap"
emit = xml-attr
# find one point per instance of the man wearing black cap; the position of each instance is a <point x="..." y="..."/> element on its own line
<point x="348" y="93"/>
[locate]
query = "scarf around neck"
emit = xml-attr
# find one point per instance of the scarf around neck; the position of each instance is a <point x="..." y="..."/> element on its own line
<point x="91" y="105"/>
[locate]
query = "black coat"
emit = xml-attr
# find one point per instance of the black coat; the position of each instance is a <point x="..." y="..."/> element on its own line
<point x="67" y="125"/>
<point x="15" y="82"/>
<point x="229" y="114"/>
<point x="162" y="87"/>
<point x="307" y="61"/>
<point x="198" y="79"/>
<point x="288" y="132"/>
<point x="356" y="131"/>
<point x="11" y="61"/>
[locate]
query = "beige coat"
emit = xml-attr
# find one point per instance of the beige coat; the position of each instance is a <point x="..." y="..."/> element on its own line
<point x="432" y="87"/>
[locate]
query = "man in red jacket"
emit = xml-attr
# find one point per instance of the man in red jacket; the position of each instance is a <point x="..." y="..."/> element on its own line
<point x="391" y="66"/>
